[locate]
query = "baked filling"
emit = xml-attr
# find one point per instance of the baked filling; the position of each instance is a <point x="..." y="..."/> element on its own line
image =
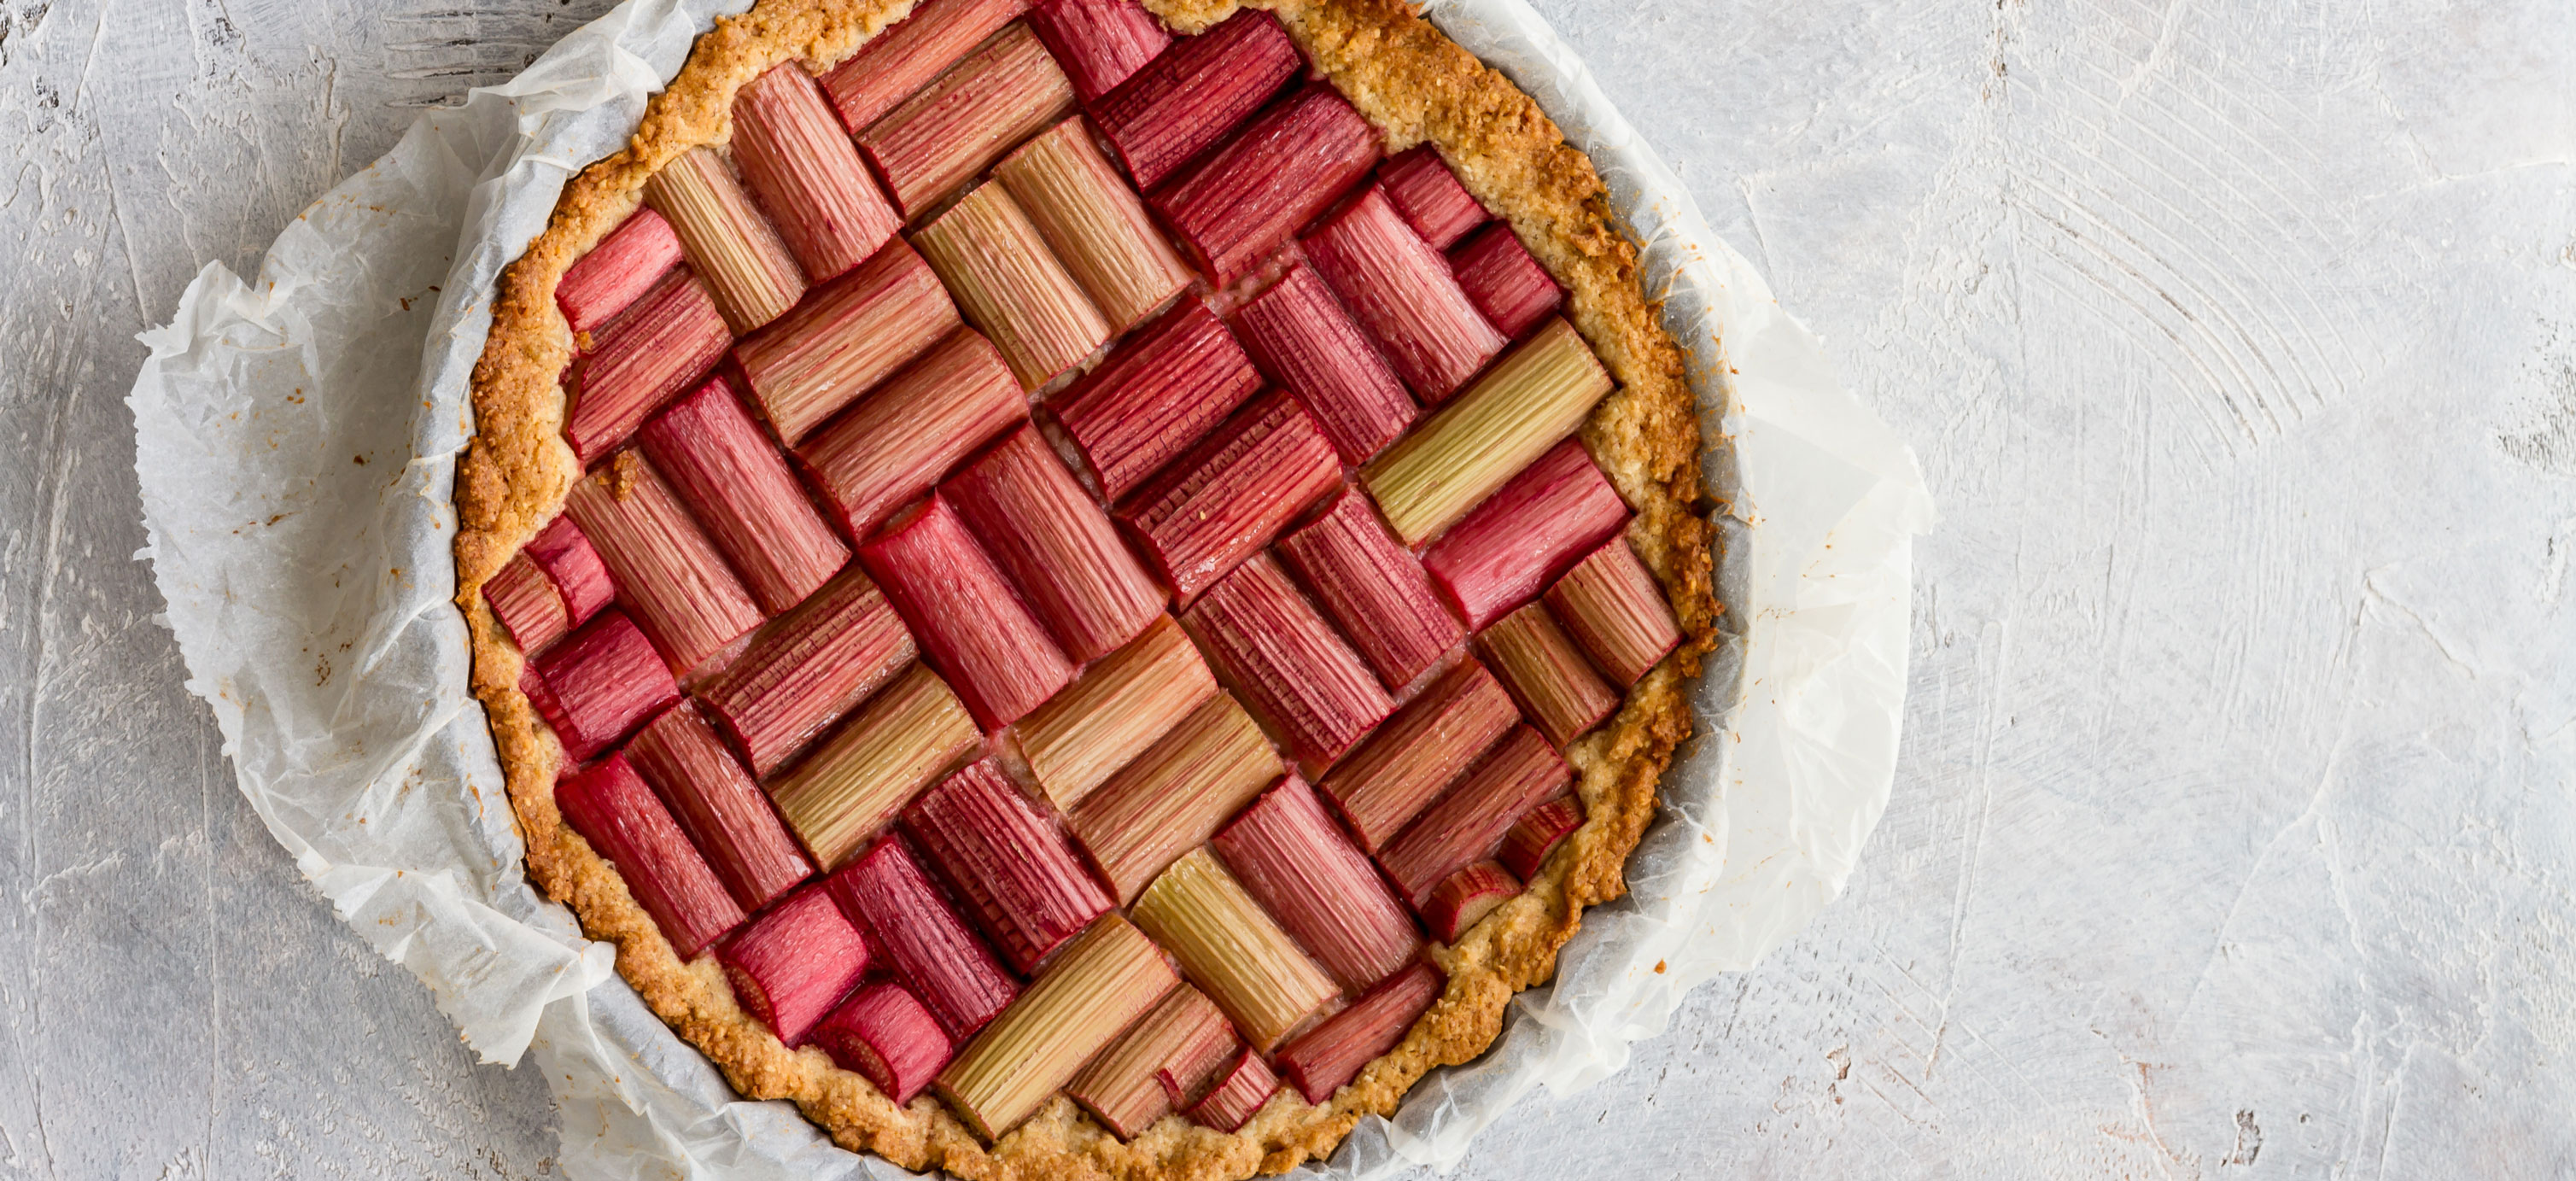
<point x="1064" y="608"/>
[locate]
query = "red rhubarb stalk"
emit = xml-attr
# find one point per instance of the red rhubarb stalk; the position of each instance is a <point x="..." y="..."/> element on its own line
<point x="1155" y="395"/>
<point x="793" y="964"/>
<point x="896" y="444"/>
<point x="798" y="161"/>
<point x="725" y="814"/>
<point x="617" y="271"/>
<point x="610" y="806"/>
<point x="904" y="57"/>
<point x="732" y="477"/>
<point x="856" y="331"/>
<point x="678" y="586"/>
<point x="1240" y="1091"/>
<point x="1388" y="780"/>
<point x="598" y="684"/>
<point x="1264" y="638"/>
<point x="1009" y="861"/>
<point x="1429" y="196"/>
<point x="1534" y="658"/>
<point x="1507" y="550"/>
<point x="1231" y="494"/>
<point x="1401" y="290"/>
<point x="1465" y="824"/>
<point x="1464" y="899"/>
<point x="971" y="624"/>
<point x="1373" y="588"/>
<point x="884" y="1033"/>
<point x="807" y="668"/>
<point x="1327" y="1057"/>
<point x="733" y="247"/>
<point x="524" y="600"/>
<point x="1187" y="99"/>
<point x="1503" y="281"/>
<point x="923" y="939"/>
<point x="1005" y="91"/>
<point x="1291" y="856"/>
<point x="579" y="576"/>
<point x="1306" y="342"/>
<point x="1098" y="42"/>
<point x="1612" y="606"/>
<point x="1056" y="544"/>
<point x="1239" y="204"/>
<point x="669" y="338"/>
<point x="1536" y="834"/>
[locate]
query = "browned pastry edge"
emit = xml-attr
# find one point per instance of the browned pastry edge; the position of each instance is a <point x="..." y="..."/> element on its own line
<point x="1415" y="85"/>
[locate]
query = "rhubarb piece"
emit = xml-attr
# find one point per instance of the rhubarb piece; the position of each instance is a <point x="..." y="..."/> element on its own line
<point x="901" y="742"/>
<point x="1373" y="588"/>
<point x="1234" y="208"/>
<point x="798" y="161"/>
<point x="1199" y="1061"/>
<point x="1534" y="658"/>
<point x="1154" y="396"/>
<point x="524" y="600"/>
<point x="1438" y="734"/>
<point x="1291" y="856"/>
<point x="884" y="1033"/>
<point x="726" y="469"/>
<point x="1232" y="949"/>
<point x="1004" y="92"/>
<point x="680" y="589"/>
<point x="1010" y="862"/>
<point x="1326" y="1058"/>
<point x="617" y="271"/>
<point x="670" y="337"/>
<point x="1464" y="898"/>
<point x="956" y="977"/>
<point x="610" y="806"/>
<point x="972" y="627"/>
<point x="903" y="58"/>
<point x="1465" y="824"/>
<point x="1509" y="548"/>
<point x="1536" y="834"/>
<point x="595" y="686"/>
<point x="725" y="814"/>
<point x="806" y="669"/>
<point x="1174" y="795"/>
<point x="1536" y="395"/>
<point x="1268" y="641"/>
<point x="1110" y="976"/>
<point x="1189" y="97"/>
<point x="1056" y="544"/>
<point x="1503" y="281"/>
<point x="1120" y="1087"/>
<point x="1238" y="1095"/>
<point x="1422" y="188"/>
<point x="1118" y="708"/>
<point x="895" y="445"/>
<point x="1401" y="290"/>
<point x="1231" y="494"/>
<point x="1098" y="42"/>
<point x="857" y="331"/>
<point x="989" y="253"/>
<point x="1612" y="606"/>
<point x="565" y="554"/>
<point x="733" y="247"/>
<point x="795" y="963"/>
<point x="1303" y="339"/>
<point x="1092" y="221"/>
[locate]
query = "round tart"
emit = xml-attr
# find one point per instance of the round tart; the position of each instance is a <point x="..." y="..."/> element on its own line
<point x="1083" y="588"/>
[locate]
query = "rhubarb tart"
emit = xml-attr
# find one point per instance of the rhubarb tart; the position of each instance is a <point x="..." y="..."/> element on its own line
<point x="1083" y="587"/>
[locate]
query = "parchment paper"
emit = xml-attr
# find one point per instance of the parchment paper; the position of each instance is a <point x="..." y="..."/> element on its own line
<point x="295" y="443"/>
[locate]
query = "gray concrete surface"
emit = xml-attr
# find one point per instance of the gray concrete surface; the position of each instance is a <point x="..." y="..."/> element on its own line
<point x="2231" y="833"/>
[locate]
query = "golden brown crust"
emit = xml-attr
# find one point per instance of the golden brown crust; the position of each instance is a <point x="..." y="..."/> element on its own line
<point x="1415" y="85"/>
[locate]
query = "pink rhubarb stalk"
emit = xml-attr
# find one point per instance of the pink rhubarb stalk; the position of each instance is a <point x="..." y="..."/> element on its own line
<point x="1466" y="897"/>
<point x="1373" y="588"/>
<point x="1056" y="544"/>
<point x="807" y="668"/>
<point x="1100" y="43"/>
<point x="1388" y="780"/>
<point x="1238" y="1095"/>
<point x="616" y="272"/>
<point x="1190" y="96"/>
<point x="1306" y="342"/>
<point x="1326" y="1058"/>
<point x="1120" y="1088"/>
<point x="1009" y="861"/>
<point x="1401" y="289"/>
<point x="891" y="66"/>
<point x="1536" y="834"/>
<point x="613" y="809"/>
<point x="561" y="550"/>
<point x="1159" y="392"/>
<point x="1612" y="606"/>
<point x="1291" y="857"/>
<point x="793" y="964"/>
<point x="598" y="684"/>
<point x="1466" y="824"/>
<point x="922" y="938"/>
<point x="1503" y="281"/>
<point x="725" y="814"/>
<point x="1429" y="196"/>
<point x="669" y="338"/>
<point x="671" y="577"/>
<point x="896" y="444"/>
<point x="1231" y="494"/>
<point x="724" y="466"/>
<point x="856" y="331"/>
<point x="1251" y="195"/>
<point x="884" y="1033"/>
<point x="524" y="600"/>
<point x="799" y="163"/>
<point x="1507" y="550"/>
<point x="1534" y="658"/>
<point x="1264" y="638"/>
<point x="1005" y="91"/>
<point x="971" y="624"/>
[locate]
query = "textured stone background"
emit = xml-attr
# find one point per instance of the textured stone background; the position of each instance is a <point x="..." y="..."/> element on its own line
<point x="2231" y="835"/>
